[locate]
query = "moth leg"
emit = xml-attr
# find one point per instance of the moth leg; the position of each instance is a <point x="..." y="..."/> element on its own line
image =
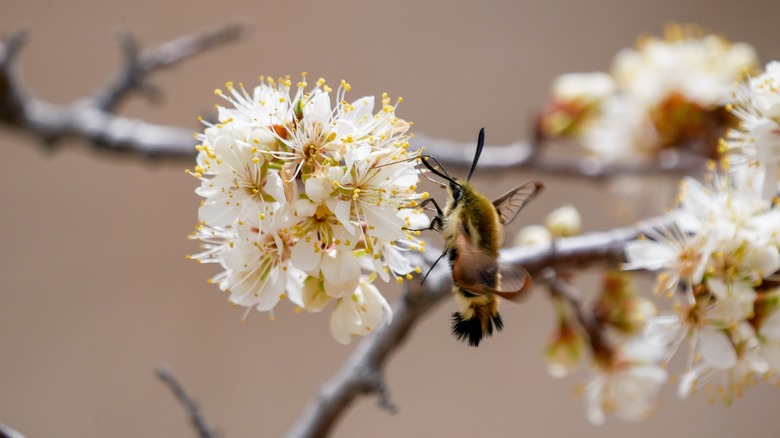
<point x="437" y="223"/>
<point x="432" y="266"/>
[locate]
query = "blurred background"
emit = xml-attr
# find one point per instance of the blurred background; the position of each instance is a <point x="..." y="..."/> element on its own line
<point x="96" y="291"/>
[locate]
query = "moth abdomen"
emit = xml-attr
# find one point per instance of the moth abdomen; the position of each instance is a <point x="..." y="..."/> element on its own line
<point x="477" y="318"/>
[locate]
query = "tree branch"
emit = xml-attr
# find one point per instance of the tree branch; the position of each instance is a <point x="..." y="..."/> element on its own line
<point x="199" y="421"/>
<point x="91" y="119"/>
<point x="138" y="65"/>
<point x="8" y="432"/>
<point x="363" y="370"/>
<point x="526" y="155"/>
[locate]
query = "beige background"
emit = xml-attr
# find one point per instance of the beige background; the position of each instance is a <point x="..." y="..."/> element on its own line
<point x="95" y="291"/>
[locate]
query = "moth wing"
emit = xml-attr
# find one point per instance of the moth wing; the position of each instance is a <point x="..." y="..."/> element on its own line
<point x="510" y="203"/>
<point x="477" y="272"/>
<point x="473" y="269"/>
<point x="515" y="281"/>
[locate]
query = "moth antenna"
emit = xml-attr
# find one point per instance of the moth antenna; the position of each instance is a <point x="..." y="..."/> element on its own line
<point x="480" y="145"/>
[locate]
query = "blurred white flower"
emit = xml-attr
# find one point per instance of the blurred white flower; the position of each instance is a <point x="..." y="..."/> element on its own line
<point x="624" y="131"/>
<point x="700" y="68"/>
<point x="583" y="88"/>
<point x="533" y="235"/>
<point x="729" y="366"/>
<point x="628" y="385"/>
<point x="757" y="105"/>
<point x="670" y="93"/>
<point x="564" y="221"/>
<point x="769" y="334"/>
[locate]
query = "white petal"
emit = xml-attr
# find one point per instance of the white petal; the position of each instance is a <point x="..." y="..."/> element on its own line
<point x="718" y="288"/>
<point x="314" y="297"/>
<point x="387" y="225"/>
<point x="274" y="186"/>
<point x="343" y="320"/>
<point x="217" y="213"/>
<point x="304" y="258"/>
<point x="648" y="254"/>
<point x="318" y="109"/>
<point x="687" y="382"/>
<point x="341" y="209"/>
<point x="378" y="310"/>
<point x="771" y="353"/>
<point x="770" y="328"/>
<point x="341" y="270"/>
<point x="716" y="349"/>
<point x="295" y="281"/>
<point x="663" y="330"/>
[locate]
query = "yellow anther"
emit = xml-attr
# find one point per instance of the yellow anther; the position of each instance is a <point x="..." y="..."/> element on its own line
<point x="262" y="216"/>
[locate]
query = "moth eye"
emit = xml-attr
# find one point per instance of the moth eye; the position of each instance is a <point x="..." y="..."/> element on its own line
<point x="457" y="193"/>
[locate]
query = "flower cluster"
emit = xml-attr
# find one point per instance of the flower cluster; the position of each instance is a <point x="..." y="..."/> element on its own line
<point x="718" y="261"/>
<point x="669" y="92"/>
<point x="717" y="257"/>
<point x="309" y="198"/>
<point x="628" y="370"/>
<point x="757" y="106"/>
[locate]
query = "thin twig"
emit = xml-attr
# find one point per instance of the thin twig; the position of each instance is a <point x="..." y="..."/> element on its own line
<point x="199" y="421"/>
<point x="138" y="65"/>
<point x="362" y="372"/>
<point x="91" y="119"/>
<point x="593" y="328"/>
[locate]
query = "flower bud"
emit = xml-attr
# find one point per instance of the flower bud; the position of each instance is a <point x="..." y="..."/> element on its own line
<point x="533" y="235"/>
<point x="564" y="353"/>
<point x="564" y="221"/>
<point x="620" y="306"/>
<point x="314" y="297"/>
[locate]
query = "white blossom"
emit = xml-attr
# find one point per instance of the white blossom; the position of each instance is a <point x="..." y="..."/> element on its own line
<point x="729" y="365"/>
<point x="308" y="197"/>
<point x="757" y="105"/>
<point x="564" y="221"/>
<point x="360" y="313"/>
<point x="533" y="235"/>
<point x="628" y="385"/>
